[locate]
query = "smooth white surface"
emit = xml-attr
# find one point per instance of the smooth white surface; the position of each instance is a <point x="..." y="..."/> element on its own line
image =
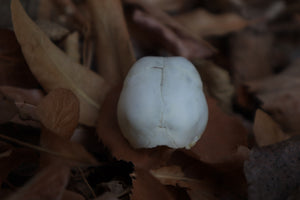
<point x="162" y="103"/>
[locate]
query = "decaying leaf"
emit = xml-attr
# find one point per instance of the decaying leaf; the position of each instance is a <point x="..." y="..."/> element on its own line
<point x="222" y="138"/>
<point x="267" y="131"/>
<point x="49" y="183"/>
<point x="59" y="112"/>
<point x="54" y="69"/>
<point x="202" y="23"/>
<point x="272" y="172"/>
<point x="115" y="54"/>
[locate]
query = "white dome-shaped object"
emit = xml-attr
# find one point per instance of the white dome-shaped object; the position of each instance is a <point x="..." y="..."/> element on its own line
<point x="162" y="103"/>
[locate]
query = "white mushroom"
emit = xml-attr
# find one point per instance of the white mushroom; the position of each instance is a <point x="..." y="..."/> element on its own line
<point x="162" y="103"/>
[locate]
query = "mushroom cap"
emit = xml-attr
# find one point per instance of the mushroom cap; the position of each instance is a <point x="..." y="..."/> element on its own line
<point x="162" y="103"/>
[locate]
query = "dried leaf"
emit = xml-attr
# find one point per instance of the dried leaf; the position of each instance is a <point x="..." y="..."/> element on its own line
<point x="275" y="90"/>
<point x="266" y="130"/>
<point x="203" y="23"/>
<point x="59" y="112"/>
<point x="162" y="31"/>
<point x="53" y="30"/>
<point x="114" y="51"/>
<point x="197" y="189"/>
<point x="222" y="137"/>
<point x="54" y="69"/>
<point x="110" y="134"/>
<point x="142" y="184"/>
<point x="72" y="46"/>
<point x="218" y="83"/>
<point x="48" y="184"/>
<point x="272" y="172"/>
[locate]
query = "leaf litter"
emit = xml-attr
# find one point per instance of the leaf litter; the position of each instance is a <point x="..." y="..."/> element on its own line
<point x="61" y="76"/>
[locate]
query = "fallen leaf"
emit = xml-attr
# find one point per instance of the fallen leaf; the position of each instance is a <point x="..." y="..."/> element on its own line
<point x="218" y="83"/>
<point x="53" y="30"/>
<point x="274" y="90"/>
<point x="163" y="32"/>
<point x="114" y="50"/>
<point x="59" y="112"/>
<point x="272" y="172"/>
<point x="54" y="69"/>
<point x="197" y="189"/>
<point x="13" y="68"/>
<point x="142" y="184"/>
<point x="266" y="130"/>
<point x="222" y="137"/>
<point x="48" y="184"/>
<point x="72" y="46"/>
<point x="203" y="23"/>
<point x="110" y="134"/>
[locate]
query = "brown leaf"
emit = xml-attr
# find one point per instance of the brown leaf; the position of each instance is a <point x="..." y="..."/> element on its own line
<point x="197" y="189"/>
<point x="54" y="69"/>
<point x="266" y="130"/>
<point x="162" y="31"/>
<point x="8" y="109"/>
<point x="53" y="30"/>
<point x="59" y="112"/>
<point x="222" y="137"/>
<point x="110" y="134"/>
<point x="275" y="90"/>
<point x="114" y="51"/>
<point x="13" y="68"/>
<point x="218" y="83"/>
<point x="272" y="172"/>
<point x="203" y="23"/>
<point x="48" y="184"/>
<point x="146" y="187"/>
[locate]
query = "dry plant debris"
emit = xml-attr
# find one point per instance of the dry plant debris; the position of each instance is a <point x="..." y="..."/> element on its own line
<point x="62" y="65"/>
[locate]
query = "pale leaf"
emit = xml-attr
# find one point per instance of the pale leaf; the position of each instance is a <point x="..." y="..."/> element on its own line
<point x="54" y="69"/>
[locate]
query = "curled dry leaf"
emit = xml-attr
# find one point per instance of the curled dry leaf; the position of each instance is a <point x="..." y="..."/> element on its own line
<point x="222" y="138"/>
<point x="202" y="23"/>
<point x="272" y="172"/>
<point x="59" y="112"/>
<point x="49" y="183"/>
<point x="54" y="69"/>
<point x="114" y="51"/>
<point x="266" y="130"/>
